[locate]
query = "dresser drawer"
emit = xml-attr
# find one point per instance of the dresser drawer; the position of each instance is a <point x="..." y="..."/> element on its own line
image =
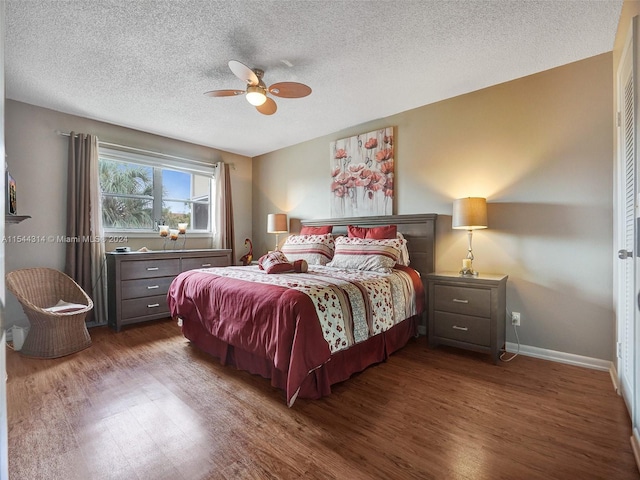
<point x="464" y="300"/>
<point x="204" y="262"/>
<point x="138" y="282"/>
<point x="145" y="287"/>
<point x="140" y="307"/>
<point x="463" y="328"/>
<point x="149" y="268"/>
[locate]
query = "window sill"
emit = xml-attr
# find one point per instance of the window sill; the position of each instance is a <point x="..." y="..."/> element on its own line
<point x="133" y="234"/>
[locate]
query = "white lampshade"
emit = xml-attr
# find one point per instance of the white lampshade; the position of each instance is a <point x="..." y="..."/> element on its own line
<point x="277" y="223"/>
<point x="470" y="213"/>
<point x="256" y="96"/>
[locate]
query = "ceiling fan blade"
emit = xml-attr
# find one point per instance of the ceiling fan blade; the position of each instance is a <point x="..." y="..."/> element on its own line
<point x="267" y="108"/>
<point x="289" y="90"/>
<point x="224" y="93"/>
<point x="243" y="72"/>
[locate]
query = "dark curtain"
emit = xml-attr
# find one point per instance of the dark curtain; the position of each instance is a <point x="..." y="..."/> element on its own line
<point x="229" y="235"/>
<point x="224" y="209"/>
<point x="78" y="253"/>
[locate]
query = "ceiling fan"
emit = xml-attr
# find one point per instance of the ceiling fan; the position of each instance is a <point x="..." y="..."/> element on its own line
<point x="256" y="91"/>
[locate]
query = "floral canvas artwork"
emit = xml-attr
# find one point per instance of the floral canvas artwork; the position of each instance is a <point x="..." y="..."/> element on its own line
<point x="362" y="171"/>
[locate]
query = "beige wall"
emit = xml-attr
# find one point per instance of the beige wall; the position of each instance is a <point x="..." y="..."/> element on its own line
<point x="37" y="159"/>
<point x="540" y="149"/>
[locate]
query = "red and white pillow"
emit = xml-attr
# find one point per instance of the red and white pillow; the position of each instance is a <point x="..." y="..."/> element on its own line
<point x="315" y="249"/>
<point x="386" y="232"/>
<point x="277" y="262"/>
<point x="366" y="254"/>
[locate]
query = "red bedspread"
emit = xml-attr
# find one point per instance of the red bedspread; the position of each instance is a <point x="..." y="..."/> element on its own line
<point x="270" y="321"/>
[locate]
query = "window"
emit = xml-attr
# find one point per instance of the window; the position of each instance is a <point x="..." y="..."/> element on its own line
<point x="140" y="192"/>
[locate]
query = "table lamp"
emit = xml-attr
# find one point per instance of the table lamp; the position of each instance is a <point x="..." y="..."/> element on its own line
<point x="470" y="214"/>
<point x="277" y="223"/>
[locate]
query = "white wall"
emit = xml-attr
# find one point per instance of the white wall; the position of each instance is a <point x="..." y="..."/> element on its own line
<point x="37" y="159"/>
<point x="540" y="150"/>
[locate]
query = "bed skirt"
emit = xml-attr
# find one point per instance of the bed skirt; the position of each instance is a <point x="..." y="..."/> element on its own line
<point x="318" y="383"/>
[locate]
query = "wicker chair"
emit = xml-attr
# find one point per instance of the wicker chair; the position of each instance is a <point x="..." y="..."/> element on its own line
<point x="51" y="335"/>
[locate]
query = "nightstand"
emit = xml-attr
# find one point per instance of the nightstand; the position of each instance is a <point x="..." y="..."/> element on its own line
<point x="468" y="312"/>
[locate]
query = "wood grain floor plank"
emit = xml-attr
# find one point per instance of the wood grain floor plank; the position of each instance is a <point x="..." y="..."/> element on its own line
<point x="145" y="404"/>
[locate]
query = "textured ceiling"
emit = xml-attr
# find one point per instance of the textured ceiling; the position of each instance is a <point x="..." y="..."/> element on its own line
<point x="146" y="64"/>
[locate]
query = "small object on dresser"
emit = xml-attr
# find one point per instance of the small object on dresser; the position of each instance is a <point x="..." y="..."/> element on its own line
<point x="247" y="258"/>
<point x="182" y="230"/>
<point x="466" y="267"/>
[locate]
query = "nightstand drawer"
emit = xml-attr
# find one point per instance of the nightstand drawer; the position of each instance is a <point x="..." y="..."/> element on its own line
<point x="463" y="328"/>
<point x="145" y="287"/>
<point x="139" y="307"/>
<point x="464" y="300"/>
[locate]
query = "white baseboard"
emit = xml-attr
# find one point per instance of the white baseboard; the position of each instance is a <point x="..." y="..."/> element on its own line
<point x="561" y="357"/>
<point x="635" y="446"/>
<point x="613" y="372"/>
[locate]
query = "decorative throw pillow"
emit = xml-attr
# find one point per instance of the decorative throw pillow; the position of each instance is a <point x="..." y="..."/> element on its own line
<point x="366" y="254"/>
<point x="272" y="261"/>
<point x="316" y="230"/>
<point x="276" y="262"/>
<point x="315" y="249"/>
<point x="374" y="233"/>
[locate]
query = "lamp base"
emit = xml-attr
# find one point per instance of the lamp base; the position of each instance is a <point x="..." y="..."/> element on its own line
<point x="468" y="272"/>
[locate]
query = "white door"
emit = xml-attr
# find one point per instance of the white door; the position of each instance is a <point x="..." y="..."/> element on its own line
<point x="627" y="185"/>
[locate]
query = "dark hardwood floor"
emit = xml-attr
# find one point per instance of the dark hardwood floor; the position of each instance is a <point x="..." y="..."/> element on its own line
<point x="145" y="404"/>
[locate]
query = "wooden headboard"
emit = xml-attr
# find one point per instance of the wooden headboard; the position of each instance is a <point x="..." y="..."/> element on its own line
<point x="419" y="230"/>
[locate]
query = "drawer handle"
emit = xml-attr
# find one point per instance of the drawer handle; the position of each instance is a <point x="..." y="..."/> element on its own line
<point x="153" y="305"/>
<point x="152" y="269"/>
<point x="464" y="329"/>
<point x="206" y="264"/>
<point x="457" y="300"/>
<point x="153" y="287"/>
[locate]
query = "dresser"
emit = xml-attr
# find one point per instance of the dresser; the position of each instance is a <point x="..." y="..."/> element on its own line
<point x="468" y="312"/>
<point x="138" y="282"/>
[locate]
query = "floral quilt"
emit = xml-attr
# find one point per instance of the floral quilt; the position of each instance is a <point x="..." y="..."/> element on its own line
<point x="351" y="305"/>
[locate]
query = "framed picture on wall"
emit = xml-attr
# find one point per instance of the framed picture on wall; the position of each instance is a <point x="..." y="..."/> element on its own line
<point x="11" y="195"/>
<point x="362" y="174"/>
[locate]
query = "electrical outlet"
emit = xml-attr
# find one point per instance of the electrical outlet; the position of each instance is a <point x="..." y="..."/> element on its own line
<point x="515" y="319"/>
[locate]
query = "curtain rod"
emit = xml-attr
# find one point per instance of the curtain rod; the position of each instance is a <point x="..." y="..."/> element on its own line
<point x="149" y="152"/>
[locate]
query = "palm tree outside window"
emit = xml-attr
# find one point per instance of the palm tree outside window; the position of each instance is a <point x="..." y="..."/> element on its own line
<point x="139" y="197"/>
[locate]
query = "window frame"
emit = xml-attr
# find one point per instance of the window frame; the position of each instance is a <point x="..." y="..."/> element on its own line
<point x="159" y="162"/>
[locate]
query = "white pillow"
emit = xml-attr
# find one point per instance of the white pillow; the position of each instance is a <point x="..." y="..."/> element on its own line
<point x="366" y="254"/>
<point x="315" y="249"/>
<point x="64" y="307"/>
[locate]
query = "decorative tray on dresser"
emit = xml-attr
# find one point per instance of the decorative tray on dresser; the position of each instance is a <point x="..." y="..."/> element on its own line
<point x="467" y="311"/>
<point x="138" y="283"/>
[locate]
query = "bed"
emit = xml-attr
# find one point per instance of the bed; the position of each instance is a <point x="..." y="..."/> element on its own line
<point x="288" y="327"/>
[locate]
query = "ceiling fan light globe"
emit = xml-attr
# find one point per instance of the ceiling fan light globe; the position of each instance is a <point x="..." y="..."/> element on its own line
<point x="256" y="96"/>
